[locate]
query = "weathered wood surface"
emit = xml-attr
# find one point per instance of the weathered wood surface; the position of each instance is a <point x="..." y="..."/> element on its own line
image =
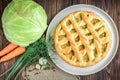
<point x="52" y="7"/>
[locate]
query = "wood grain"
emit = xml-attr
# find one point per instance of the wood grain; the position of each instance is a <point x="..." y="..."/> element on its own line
<point x="52" y="7"/>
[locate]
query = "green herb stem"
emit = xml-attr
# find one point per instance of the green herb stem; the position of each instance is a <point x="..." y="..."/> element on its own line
<point x="11" y="67"/>
<point x="16" y="67"/>
<point x="32" y="54"/>
<point x="21" y="70"/>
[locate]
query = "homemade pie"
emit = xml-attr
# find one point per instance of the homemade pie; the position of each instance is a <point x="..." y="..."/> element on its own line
<point x="82" y="39"/>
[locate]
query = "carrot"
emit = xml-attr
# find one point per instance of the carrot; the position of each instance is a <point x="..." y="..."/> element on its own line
<point x="8" y="49"/>
<point x="18" y="51"/>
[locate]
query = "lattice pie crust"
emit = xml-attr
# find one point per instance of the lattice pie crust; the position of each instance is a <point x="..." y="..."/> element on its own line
<point x="82" y="39"/>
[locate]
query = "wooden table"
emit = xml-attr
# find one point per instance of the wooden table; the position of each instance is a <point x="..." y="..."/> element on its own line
<point x="52" y="7"/>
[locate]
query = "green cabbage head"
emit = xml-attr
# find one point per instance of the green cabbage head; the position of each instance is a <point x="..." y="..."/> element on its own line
<point x="24" y="22"/>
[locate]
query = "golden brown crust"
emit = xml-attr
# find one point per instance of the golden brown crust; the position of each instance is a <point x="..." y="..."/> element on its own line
<point x="82" y="39"/>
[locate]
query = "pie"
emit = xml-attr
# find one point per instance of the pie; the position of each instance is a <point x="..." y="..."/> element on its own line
<point x="82" y="39"/>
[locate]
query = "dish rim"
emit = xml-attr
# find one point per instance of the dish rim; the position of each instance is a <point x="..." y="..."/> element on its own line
<point x="114" y="25"/>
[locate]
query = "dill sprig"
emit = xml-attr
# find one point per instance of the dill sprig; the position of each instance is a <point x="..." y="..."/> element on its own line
<point x="34" y="51"/>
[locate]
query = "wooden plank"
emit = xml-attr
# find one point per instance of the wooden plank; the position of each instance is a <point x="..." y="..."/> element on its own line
<point x="116" y="63"/>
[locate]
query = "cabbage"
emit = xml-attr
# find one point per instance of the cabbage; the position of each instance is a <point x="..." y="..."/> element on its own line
<point x="24" y="22"/>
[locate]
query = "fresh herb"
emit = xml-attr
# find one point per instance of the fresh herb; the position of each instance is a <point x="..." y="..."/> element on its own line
<point x="35" y="51"/>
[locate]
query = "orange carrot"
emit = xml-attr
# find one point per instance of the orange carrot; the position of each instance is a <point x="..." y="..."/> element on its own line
<point x="18" y="51"/>
<point x="8" y="49"/>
